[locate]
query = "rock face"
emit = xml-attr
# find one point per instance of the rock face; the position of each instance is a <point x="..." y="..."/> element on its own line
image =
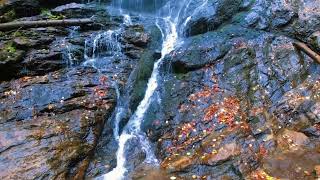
<point x="211" y="15"/>
<point x="40" y="50"/>
<point x="224" y="154"/>
<point x="239" y="81"/>
<point x="19" y="8"/>
<point x="236" y="99"/>
<point x="12" y="9"/>
<point x="55" y="102"/>
<point x="50" y="128"/>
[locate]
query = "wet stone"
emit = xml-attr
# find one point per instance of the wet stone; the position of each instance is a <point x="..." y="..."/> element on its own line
<point x="292" y="139"/>
<point x="50" y="126"/>
<point x="224" y="153"/>
<point x="235" y="99"/>
<point x="317" y="170"/>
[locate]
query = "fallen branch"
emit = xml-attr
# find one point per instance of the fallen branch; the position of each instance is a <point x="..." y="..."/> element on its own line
<point x="303" y="47"/>
<point x="44" y="23"/>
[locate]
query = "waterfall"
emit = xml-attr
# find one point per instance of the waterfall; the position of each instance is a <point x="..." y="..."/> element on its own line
<point x="133" y="128"/>
<point x="150" y="6"/>
<point x="101" y="48"/>
<point x="169" y="16"/>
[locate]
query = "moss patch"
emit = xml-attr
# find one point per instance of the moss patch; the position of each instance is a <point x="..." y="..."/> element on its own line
<point x="9" y="53"/>
<point x="10" y="48"/>
<point x="8" y="16"/>
<point x="46" y="13"/>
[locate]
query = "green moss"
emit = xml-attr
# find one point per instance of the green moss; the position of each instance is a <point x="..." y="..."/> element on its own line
<point x="7" y="50"/>
<point x="142" y="74"/>
<point x="144" y="69"/>
<point x="11" y="14"/>
<point x="9" y="53"/>
<point x="47" y="13"/>
<point x="25" y="34"/>
<point x="182" y="76"/>
<point x="10" y="48"/>
<point x="17" y="34"/>
<point x="8" y="16"/>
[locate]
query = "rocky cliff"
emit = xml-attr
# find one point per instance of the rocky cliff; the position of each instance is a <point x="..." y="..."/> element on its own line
<point x="237" y="98"/>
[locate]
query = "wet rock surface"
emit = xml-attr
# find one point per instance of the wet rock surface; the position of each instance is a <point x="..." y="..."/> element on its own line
<point x="55" y="102"/>
<point x="210" y="15"/>
<point x="236" y="99"/>
<point x="50" y="125"/>
<point x="246" y="98"/>
<point x="37" y="51"/>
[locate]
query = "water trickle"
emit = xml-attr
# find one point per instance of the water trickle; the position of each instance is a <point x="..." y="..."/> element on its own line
<point x="147" y="6"/>
<point x="102" y="44"/>
<point x="127" y="19"/>
<point x="68" y="56"/>
<point x="99" y="47"/>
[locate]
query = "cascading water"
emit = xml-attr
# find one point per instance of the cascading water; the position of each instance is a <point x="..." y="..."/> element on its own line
<point x="170" y="17"/>
<point x="68" y="56"/>
<point x="168" y="21"/>
<point x="133" y="128"/>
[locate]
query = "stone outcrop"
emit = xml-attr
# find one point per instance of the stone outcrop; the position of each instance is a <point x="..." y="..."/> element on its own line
<point x="54" y="108"/>
<point x="50" y="125"/>
<point x="238" y="100"/>
<point x="240" y="81"/>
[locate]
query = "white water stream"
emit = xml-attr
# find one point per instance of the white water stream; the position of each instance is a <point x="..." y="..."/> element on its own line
<point x="133" y="127"/>
<point x="168" y="16"/>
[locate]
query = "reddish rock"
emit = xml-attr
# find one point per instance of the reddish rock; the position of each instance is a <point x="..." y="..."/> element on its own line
<point x="317" y="170"/>
<point x="224" y="153"/>
<point x="177" y="164"/>
<point x="292" y="165"/>
<point x="292" y="139"/>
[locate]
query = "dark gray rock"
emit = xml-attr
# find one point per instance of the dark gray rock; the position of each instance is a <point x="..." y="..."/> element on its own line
<point x="209" y="15"/>
<point x="20" y="8"/>
<point x="51" y="124"/>
<point x="256" y="70"/>
<point x="54" y="3"/>
<point x="136" y="36"/>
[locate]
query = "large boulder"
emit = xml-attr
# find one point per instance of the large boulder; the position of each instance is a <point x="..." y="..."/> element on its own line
<point x="296" y="18"/>
<point x="210" y="100"/>
<point x="209" y="15"/>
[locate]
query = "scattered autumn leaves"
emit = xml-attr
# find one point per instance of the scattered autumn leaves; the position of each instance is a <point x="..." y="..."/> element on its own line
<point x="225" y="112"/>
<point x="215" y="107"/>
<point x="101" y="90"/>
